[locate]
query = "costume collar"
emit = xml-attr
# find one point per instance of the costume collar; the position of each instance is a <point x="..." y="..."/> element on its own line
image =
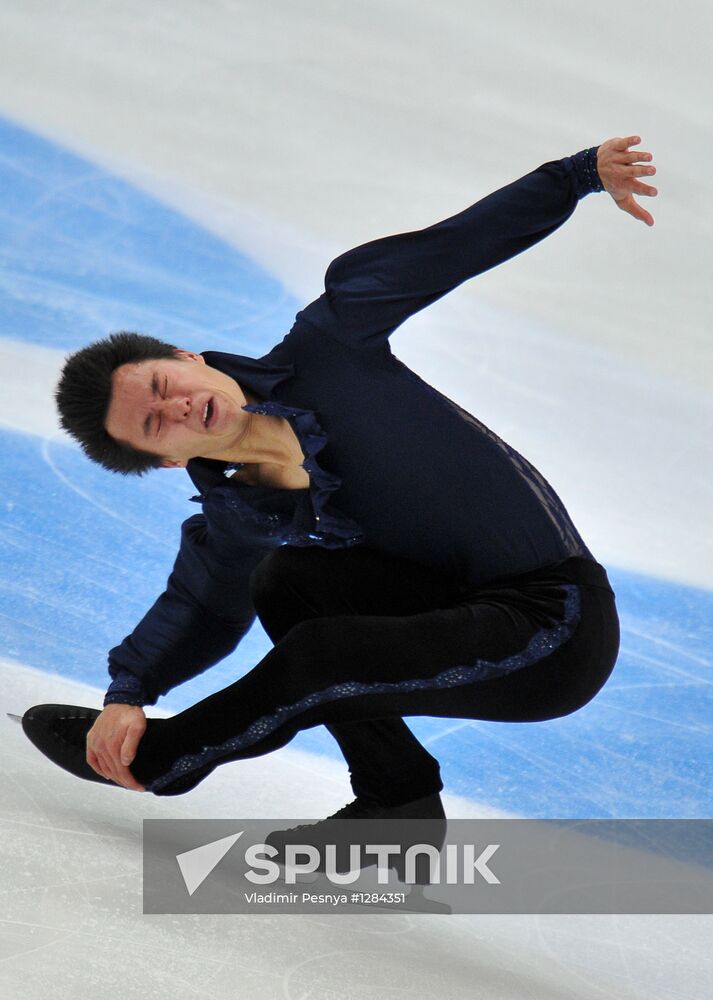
<point x="261" y="375"/>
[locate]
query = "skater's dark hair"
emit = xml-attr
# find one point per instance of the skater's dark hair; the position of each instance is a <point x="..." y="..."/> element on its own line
<point x="83" y="397"/>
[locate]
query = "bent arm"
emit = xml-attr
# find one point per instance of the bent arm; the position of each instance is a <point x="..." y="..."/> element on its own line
<point x="199" y="619"/>
<point x="372" y="289"/>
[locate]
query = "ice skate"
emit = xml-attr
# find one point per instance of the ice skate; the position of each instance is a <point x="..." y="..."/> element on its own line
<point x="60" y="733"/>
<point x="424" y="821"/>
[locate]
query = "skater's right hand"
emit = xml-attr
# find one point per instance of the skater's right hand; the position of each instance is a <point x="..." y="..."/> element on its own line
<point x="112" y="743"/>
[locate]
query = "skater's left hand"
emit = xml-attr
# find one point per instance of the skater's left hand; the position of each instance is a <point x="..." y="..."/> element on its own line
<point x="112" y="743"/>
<point x="618" y="168"/>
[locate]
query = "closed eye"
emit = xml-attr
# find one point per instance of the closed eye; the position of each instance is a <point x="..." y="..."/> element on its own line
<point x="154" y="393"/>
<point x="165" y="393"/>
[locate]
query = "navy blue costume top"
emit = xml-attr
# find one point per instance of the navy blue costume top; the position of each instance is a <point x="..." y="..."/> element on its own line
<point x="393" y="463"/>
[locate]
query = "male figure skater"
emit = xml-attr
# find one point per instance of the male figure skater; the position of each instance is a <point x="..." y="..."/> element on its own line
<point x="403" y="559"/>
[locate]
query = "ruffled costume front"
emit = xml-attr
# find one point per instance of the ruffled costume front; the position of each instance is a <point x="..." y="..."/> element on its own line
<point x="272" y="516"/>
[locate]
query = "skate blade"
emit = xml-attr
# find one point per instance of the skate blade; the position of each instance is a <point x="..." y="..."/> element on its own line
<point x="17" y="718"/>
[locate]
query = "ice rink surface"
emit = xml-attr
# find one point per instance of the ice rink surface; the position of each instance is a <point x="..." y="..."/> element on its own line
<point x="189" y="171"/>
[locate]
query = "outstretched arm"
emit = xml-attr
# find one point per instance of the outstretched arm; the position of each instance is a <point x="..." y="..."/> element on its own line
<point x="372" y="289"/>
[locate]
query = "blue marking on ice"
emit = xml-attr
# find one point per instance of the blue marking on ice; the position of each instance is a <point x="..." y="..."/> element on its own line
<point x="84" y="254"/>
<point x="84" y="554"/>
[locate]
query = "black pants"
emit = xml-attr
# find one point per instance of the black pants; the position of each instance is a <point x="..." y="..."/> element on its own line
<point x="362" y="638"/>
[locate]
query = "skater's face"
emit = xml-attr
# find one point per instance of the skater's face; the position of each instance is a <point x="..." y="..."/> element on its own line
<point x="176" y="408"/>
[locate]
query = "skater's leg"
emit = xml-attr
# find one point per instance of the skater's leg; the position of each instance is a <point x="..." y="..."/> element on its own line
<point x="386" y="762"/>
<point x="534" y="649"/>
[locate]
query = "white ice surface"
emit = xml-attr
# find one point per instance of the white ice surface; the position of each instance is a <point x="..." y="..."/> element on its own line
<point x="320" y="125"/>
<point x="71" y="923"/>
<point x="28" y="404"/>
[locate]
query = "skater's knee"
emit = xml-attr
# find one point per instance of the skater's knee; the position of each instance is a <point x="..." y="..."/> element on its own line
<point x="582" y="688"/>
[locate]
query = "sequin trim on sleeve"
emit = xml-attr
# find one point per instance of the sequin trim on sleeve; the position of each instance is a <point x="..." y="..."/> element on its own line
<point x="586" y="175"/>
<point x="126" y="689"/>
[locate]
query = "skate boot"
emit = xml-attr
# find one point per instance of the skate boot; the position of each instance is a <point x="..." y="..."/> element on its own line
<point x="420" y="821"/>
<point x="60" y="733"/>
